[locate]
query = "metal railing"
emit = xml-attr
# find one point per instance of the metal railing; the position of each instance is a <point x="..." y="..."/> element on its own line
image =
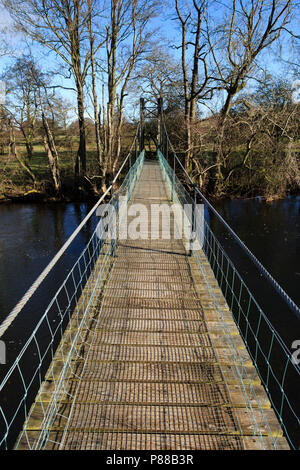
<point x="273" y="360"/>
<point x="66" y="328"/>
<point x="63" y="331"/>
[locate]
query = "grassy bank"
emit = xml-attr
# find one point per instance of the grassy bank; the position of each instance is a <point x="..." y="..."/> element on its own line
<point x="17" y="185"/>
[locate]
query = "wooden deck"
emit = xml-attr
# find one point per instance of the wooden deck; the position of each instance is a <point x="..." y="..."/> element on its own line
<point x="166" y="370"/>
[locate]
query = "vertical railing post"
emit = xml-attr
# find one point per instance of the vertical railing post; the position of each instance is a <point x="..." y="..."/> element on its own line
<point x="163" y="168"/>
<point x="142" y="124"/>
<point x="160" y="128"/>
<point x="193" y="221"/>
<point x="173" y="179"/>
<point x="112" y="241"/>
<point x="167" y="149"/>
<point x="129" y="175"/>
<point x="159" y="116"/>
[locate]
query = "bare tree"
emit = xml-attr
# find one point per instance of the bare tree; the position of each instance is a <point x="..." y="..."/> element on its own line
<point x="21" y="97"/>
<point x="96" y="41"/>
<point x="46" y="108"/>
<point x="29" y="97"/>
<point x="158" y="76"/>
<point x="195" y="84"/>
<point x="14" y="152"/>
<point x="247" y="29"/>
<point x="127" y="36"/>
<point x="61" y="26"/>
<point x="260" y="141"/>
<point x="52" y="154"/>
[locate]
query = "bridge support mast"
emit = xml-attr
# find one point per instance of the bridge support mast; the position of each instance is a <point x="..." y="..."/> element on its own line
<point x="142" y="124"/>
<point x="160" y="134"/>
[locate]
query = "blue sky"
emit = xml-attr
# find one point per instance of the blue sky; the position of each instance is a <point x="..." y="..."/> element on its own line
<point x="167" y="28"/>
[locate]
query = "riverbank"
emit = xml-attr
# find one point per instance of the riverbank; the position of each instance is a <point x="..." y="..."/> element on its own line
<point x="81" y="190"/>
<point x="15" y="186"/>
<point x="38" y="196"/>
<point x="85" y="193"/>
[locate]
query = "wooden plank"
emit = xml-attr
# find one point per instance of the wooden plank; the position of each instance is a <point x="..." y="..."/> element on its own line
<point x="138" y="441"/>
<point x="182" y="419"/>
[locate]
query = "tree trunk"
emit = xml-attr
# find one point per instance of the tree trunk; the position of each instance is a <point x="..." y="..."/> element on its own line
<point x="118" y="134"/>
<point x="188" y="136"/>
<point x="80" y="167"/>
<point x="94" y="91"/>
<point x="13" y="152"/>
<point x="50" y="148"/>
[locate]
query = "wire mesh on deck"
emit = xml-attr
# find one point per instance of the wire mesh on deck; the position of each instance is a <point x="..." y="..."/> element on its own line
<point x="115" y="441"/>
<point x="150" y="368"/>
<point x="141" y="376"/>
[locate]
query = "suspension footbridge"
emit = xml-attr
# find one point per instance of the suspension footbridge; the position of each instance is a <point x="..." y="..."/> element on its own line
<point x="156" y="343"/>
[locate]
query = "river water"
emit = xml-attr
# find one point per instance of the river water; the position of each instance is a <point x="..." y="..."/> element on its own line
<point x="31" y="234"/>
<point x="272" y="232"/>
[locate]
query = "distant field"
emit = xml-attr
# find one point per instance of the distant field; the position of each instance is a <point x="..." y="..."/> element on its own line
<point x="13" y="178"/>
